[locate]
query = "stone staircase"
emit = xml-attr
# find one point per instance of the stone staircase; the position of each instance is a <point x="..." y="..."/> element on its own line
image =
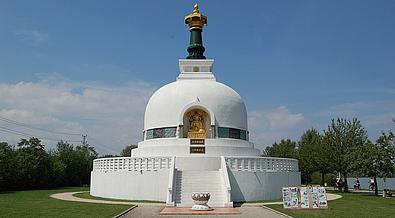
<point x="188" y="181"/>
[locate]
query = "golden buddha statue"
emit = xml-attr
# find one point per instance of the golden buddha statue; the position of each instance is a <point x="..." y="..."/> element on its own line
<point x="196" y="126"/>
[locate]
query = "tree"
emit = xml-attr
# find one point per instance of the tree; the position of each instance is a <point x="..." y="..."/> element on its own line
<point x="324" y="161"/>
<point x="6" y="166"/>
<point x="286" y="148"/>
<point x="127" y="151"/>
<point x="32" y="164"/>
<point x="73" y="164"/>
<point x="342" y="138"/>
<point x="64" y="163"/>
<point x="84" y="156"/>
<point x="374" y="160"/>
<point x="308" y="153"/>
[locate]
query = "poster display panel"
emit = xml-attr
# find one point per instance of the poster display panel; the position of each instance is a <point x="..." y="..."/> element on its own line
<point x="323" y="202"/>
<point x="311" y="197"/>
<point x="286" y="198"/>
<point x="304" y="197"/>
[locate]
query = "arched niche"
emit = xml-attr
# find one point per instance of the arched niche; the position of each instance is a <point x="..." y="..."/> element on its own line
<point x="197" y="122"/>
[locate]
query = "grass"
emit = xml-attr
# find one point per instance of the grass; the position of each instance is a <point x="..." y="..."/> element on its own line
<point x="351" y="205"/>
<point x="37" y="203"/>
<point x="88" y="196"/>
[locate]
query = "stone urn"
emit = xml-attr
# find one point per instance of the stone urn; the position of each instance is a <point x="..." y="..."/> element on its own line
<point x="201" y="199"/>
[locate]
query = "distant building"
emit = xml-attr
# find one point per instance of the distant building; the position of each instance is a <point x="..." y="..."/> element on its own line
<point x="196" y="139"/>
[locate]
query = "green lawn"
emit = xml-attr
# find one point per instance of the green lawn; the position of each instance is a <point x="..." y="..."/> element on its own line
<point x="88" y="196"/>
<point x="351" y="205"/>
<point x="37" y="203"/>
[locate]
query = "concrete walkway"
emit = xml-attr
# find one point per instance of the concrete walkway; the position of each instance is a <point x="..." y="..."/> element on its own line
<point x="68" y="196"/>
<point x="153" y="209"/>
<point x="148" y="211"/>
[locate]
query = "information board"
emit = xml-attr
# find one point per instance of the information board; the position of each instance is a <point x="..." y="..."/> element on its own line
<point x="311" y="197"/>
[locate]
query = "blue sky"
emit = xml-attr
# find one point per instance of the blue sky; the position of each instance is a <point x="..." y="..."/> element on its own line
<point x="297" y="64"/>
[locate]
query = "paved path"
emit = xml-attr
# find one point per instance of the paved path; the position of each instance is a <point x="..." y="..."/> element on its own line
<point x="153" y="209"/>
<point x="68" y="196"/>
<point x="149" y="211"/>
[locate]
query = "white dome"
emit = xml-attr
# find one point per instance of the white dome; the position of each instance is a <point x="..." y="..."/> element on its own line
<point x="167" y="105"/>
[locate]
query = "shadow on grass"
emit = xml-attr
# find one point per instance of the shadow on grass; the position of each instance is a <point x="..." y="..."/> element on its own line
<point x="42" y="189"/>
<point x="6" y="192"/>
<point x="87" y="195"/>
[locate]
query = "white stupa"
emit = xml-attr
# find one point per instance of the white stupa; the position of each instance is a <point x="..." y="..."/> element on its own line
<point x="196" y="139"/>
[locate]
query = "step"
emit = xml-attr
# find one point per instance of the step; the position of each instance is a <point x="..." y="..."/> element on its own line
<point x="187" y="182"/>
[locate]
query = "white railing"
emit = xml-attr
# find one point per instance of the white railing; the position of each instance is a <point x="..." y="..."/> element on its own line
<point x="170" y="200"/>
<point x="225" y="176"/>
<point x="262" y="164"/>
<point x="132" y="164"/>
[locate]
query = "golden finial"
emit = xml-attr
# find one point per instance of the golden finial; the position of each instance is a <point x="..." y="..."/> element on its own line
<point x="195" y="20"/>
<point x="196" y="8"/>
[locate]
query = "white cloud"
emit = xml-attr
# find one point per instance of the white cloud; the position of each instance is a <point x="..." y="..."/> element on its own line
<point x="32" y="37"/>
<point x="282" y="118"/>
<point x="376" y="115"/>
<point x="266" y="127"/>
<point x="111" y="116"/>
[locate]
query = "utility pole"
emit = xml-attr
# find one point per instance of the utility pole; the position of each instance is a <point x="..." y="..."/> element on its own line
<point x="84" y="139"/>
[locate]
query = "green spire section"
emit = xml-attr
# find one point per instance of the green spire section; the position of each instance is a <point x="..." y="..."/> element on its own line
<point x="196" y="21"/>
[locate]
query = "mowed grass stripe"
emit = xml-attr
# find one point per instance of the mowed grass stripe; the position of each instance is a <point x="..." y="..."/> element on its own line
<point x="37" y="203"/>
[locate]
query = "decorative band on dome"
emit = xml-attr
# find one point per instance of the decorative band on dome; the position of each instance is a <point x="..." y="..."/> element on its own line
<point x="167" y="132"/>
<point x="225" y="132"/>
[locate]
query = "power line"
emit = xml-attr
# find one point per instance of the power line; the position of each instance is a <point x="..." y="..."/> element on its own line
<point x="103" y="146"/>
<point x="36" y="128"/>
<point x="16" y="132"/>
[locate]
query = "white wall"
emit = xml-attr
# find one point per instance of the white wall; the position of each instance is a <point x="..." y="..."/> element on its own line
<point x="260" y="185"/>
<point x="180" y="148"/>
<point x="246" y="185"/>
<point x="130" y="185"/>
<point x="198" y="163"/>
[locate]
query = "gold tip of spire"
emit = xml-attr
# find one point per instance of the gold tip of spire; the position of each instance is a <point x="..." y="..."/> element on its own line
<point x="195" y="20"/>
<point x="196" y="8"/>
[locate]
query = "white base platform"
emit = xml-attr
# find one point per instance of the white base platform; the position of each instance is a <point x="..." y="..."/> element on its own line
<point x="247" y="184"/>
<point x="179" y="147"/>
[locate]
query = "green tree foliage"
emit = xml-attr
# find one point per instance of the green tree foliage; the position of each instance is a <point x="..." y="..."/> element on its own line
<point x="309" y="147"/>
<point x="6" y="166"/>
<point x="31" y="166"/>
<point x="127" y="151"/>
<point x="286" y="148"/>
<point x="374" y="160"/>
<point x="342" y="138"/>
<point x="313" y="155"/>
<point x="74" y="163"/>
<point x="84" y="156"/>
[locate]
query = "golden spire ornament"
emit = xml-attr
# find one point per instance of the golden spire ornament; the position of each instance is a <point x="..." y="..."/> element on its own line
<point x="195" y="20"/>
